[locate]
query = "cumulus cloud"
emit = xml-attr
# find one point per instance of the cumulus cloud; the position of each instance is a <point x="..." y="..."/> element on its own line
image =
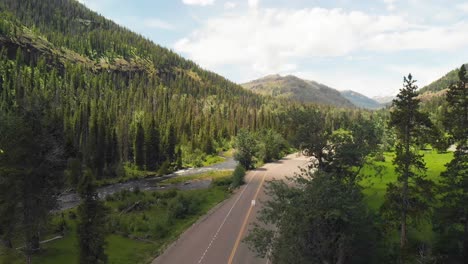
<point x="198" y="2"/>
<point x="266" y="39"/>
<point x="230" y="5"/>
<point x="390" y="4"/>
<point x="253" y="3"/>
<point x="463" y="7"/>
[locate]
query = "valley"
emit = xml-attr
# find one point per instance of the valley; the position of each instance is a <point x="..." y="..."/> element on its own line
<point x="210" y="131"/>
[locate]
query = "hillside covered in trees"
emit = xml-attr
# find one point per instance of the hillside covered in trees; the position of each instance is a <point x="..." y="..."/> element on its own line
<point x="113" y="95"/>
<point x="442" y="83"/>
<point x="82" y="98"/>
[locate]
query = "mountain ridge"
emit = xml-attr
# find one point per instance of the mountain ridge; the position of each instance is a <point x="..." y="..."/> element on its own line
<point x="361" y="100"/>
<point x="442" y="83"/>
<point x="295" y="88"/>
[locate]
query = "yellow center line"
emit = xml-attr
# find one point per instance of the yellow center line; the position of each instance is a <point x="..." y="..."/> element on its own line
<point x="244" y="224"/>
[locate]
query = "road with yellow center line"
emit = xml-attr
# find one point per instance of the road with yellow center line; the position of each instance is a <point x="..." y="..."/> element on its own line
<point x="217" y="238"/>
<point x="244" y="224"/>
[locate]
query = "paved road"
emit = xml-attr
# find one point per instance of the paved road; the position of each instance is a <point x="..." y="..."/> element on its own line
<point x="218" y="238"/>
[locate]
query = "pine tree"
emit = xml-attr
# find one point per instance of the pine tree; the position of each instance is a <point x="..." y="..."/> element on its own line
<point x="457" y="113"/>
<point x="179" y="158"/>
<point x="401" y="198"/>
<point x="139" y="148"/>
<point x="152" y="147"/>
<point x="92" y="223"/>
<point x="171" y="143"/>
<point x="454" y="210"/>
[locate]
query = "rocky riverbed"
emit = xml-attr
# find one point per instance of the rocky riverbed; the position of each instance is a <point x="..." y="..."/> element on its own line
<point x="72" y="199"/>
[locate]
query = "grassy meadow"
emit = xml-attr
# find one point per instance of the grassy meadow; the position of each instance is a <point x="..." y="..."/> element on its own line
<point x="377" y="175"/>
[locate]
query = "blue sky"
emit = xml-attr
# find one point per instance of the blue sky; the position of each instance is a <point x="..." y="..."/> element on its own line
<point x="365" y="46"/>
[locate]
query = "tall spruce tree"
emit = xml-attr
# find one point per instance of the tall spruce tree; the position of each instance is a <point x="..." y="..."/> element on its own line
<point x="152" y="147"/>
<point x="453" y="214"/>
<point x="92" y="217"/>
<point x="171" y="143"/>
<point x="30" y="165"/>
<point x="140" y="147"/>
<point x="409" y="195"/>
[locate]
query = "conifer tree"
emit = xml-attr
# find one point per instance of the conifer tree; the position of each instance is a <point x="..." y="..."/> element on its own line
<point x="171" y="143"/>
<point x="92" y="223"/>
<point x="152" y="147"/>
<point x="404" y="198"/>
<point x="454" y="209"/>
<point x="139" y="148"/>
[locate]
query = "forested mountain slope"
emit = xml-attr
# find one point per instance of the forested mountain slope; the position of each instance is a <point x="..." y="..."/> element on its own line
<point x="112" y="94"/>
<point x="441" y="83"/>
<point x="292" y="87"/>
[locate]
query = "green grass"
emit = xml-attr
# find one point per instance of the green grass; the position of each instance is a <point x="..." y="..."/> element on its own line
<point x="212" y="160"/>
<point x="137" y="236"/>
<point x="203" y="176"/>
<point x="228" y="153"/>
<point x="130" y="172"/>
<point x="119" y="249"/>
<point x="379" y="174"/>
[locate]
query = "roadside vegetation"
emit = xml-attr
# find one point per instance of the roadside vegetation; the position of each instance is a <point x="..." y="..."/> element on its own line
<point x="375" y="191"/>
<point x="254" y="149"/>
<point x="140" y="224"/>
<point x="213" y="175"/>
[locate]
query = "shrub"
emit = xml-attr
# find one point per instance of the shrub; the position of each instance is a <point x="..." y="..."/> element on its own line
<point x="160" y="230"/>
<point x="182" y="206"/>
<point x="379" y="156"/>
<point x="165" y="168"/>
<point x="223" y="182"/>
<point x="238" y="176"/>
<point x="169" y="194"/>
<point x="246" y="147"/>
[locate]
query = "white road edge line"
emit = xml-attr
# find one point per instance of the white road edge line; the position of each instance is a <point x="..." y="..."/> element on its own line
<point x="225" y="218"/>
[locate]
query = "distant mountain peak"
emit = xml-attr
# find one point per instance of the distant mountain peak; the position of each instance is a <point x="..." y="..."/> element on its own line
<point x="295" y="88"/>
<point x="361" y="100"/>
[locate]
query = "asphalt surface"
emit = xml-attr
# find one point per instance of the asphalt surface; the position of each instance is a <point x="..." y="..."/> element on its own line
<point x="217" y="238"/>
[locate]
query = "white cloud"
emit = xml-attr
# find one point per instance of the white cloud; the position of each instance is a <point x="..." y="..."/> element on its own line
<point x="440" y="38"/>
<point x="264" y="39"/>
<point x="253" y="3"/>
<point x="390" y="4"/>
<point x="424" y="74"/>
<point x="198" y="2"/>
<point x="230" y="5"/>
<point x="463" y="7"/>
<point x="157" y="23"/>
